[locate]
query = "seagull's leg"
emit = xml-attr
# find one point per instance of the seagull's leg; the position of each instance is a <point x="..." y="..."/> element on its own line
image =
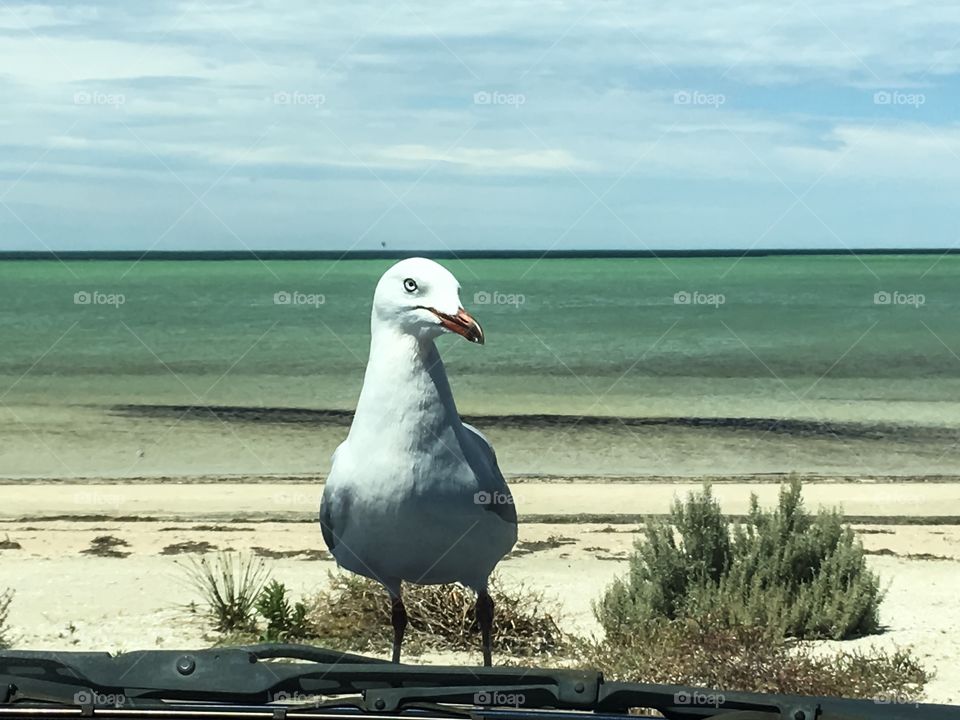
<point x="398" y="615"/>
<point x="485" y="620"/>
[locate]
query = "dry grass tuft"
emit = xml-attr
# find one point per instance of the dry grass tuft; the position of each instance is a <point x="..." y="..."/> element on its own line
<point x="712" y="653"/>
<point x="354" y="613"/>
<point x="6" y="597"/>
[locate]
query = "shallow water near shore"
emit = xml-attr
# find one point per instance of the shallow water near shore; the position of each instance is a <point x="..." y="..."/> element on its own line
<point x="761" y="364"/>
<point x="563" y="334"/>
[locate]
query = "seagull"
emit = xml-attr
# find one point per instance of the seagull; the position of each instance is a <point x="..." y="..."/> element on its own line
<point x="414" y="493"/>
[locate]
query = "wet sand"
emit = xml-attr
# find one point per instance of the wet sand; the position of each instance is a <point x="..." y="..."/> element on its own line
<point x="121" y="442"/>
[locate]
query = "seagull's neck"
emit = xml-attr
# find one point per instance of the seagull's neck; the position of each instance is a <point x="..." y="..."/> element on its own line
<point x="405" y="389"/>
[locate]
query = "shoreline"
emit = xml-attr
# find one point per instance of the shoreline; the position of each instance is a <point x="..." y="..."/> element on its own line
<point x="567" y="503"/>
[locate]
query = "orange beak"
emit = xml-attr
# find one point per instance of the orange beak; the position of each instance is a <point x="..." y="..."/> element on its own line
<point x="462" y="324"/>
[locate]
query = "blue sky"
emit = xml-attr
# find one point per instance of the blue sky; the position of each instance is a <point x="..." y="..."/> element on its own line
<point x="301" y="125"/>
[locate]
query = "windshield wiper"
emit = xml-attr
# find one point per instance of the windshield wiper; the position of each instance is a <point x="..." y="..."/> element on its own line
<point x="263" y="675"/>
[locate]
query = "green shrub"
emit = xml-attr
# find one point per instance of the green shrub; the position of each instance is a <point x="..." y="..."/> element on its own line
<point x="229" y="585"/>
<point x="712" y="653"/>
<point x="284" y="623"/>
<point x="6" y="597"/>
<point x="803" y="575"/>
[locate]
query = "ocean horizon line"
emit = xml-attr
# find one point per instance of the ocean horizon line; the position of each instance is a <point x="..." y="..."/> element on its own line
<point x="259" y="255"/>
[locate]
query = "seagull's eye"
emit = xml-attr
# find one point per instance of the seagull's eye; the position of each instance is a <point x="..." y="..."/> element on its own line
<point x="410" y="285"/>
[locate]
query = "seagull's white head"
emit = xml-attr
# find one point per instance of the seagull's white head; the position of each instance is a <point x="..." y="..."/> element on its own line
<point x="422" y="298"/>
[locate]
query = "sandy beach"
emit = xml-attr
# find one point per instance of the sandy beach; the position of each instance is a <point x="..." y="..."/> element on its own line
<point x="574" y="539"/>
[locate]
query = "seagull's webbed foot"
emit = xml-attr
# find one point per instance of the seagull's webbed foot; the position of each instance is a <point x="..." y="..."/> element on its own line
<point x="485" y="620"/>
<point x="398" y="615"/>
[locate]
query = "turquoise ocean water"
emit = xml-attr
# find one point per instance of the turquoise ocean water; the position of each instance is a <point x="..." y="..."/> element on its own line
<point x="624" y="336"/>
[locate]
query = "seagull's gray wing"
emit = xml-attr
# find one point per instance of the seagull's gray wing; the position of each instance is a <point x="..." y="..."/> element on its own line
<point x="334" y="508"/>
<point x="491" y="481"/>
<point x="326" y="520"/>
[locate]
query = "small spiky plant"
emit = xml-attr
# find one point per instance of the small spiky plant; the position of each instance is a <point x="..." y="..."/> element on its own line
<point x="229" y="585"/>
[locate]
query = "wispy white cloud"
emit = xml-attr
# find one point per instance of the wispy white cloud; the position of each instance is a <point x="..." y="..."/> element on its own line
<point x="913" y="151"/>
<point x="483" y="158"/>
<point x="528" y="106"/>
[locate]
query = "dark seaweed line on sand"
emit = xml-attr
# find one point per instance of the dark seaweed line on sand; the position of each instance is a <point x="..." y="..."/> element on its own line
<point x="537" y="421"/>
<point x="532" y="519"/>
<point x="772" y="478"/>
